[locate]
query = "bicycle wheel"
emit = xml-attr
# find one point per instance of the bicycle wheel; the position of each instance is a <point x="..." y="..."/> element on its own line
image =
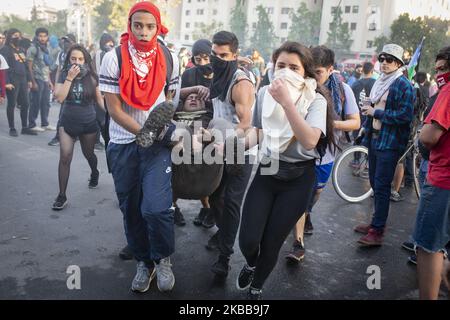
<point x="350" y="174"/>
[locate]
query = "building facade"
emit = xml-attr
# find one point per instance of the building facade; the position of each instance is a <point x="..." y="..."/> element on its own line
<point x="369" y="19"/>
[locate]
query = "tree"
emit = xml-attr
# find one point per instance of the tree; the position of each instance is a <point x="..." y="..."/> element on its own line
<point x="339" y="37"/>
<point x="305" y="27"/>
<point x="408" y="33"/>
<point x="264" y="38"/>
<point x="119" y="14"/>
<point x="102" y="21"/>
<point x="206" y="31"/>
<point x="238" y="22"/>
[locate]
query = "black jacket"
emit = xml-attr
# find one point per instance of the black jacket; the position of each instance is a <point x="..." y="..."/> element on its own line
<point x="17" y="64"/>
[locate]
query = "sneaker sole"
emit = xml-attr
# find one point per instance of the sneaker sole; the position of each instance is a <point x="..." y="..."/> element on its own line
<point x="93" y="187"/>
<point x="156" y="120"/>
<point x="408" y="248"/>
<point x="152" y="276"/>
<point x="293" y="258"/>
<point x="60" y="208"/>
<point x="239" y="288"/>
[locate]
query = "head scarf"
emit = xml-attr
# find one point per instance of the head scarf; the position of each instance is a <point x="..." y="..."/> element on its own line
<point x="143" y="73"/>
<point x="334" y="85"/>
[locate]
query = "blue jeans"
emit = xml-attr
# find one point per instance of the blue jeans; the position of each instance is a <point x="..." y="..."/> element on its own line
<point x="142" y="179"/>
<point x="40" y="102"/>
<point x="382" y="164"/>
<point x="423" y="173"/>
<point x="432" y="229"/>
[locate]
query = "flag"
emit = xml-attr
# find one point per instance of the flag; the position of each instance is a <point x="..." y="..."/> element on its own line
<point x="413" y="64"/>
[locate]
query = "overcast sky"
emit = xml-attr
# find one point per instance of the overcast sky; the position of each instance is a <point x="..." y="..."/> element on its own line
<point x="23" y="7"/>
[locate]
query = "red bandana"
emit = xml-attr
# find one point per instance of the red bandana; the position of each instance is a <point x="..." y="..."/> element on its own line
<point x="143" y="75"/>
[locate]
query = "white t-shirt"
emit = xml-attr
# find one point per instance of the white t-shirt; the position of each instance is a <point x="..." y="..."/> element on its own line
<point x="109" y="82"/>
<point x="3" y="63"/>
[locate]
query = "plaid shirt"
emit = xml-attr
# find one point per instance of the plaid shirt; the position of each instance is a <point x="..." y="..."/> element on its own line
<point x="396" y="119"/>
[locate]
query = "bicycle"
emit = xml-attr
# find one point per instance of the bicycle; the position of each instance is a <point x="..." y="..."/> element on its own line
<point x="350" y="175"/>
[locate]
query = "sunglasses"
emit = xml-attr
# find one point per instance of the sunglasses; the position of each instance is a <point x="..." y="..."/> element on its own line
<point x="387" y="59"/>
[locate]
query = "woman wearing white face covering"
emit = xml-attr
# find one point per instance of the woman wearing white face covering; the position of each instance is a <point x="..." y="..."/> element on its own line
<point x="291" y="115"/>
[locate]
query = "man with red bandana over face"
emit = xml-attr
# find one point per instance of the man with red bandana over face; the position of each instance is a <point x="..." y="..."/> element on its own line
<point x="134" y="93"/>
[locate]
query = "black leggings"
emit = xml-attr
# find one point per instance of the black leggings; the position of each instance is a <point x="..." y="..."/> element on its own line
<point x="18" y="96"/>
<point x="271" y="209"/>
<point x="67" y="143"/>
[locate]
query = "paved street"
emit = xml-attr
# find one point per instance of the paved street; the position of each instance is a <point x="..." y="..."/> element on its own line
<point x="38" y="244"/>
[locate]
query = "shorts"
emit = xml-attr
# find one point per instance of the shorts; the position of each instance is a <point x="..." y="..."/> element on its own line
<point x="323" y="173"/>
<point x="432" y="229"/>
<point x="74" y="129"/>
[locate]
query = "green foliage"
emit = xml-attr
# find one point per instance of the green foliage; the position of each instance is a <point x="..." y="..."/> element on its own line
<point x="339" y="36"/>
<point x="206" y="31"/>
<point x="305" y="27"/>
<point x="264" y="38"/>
<point x="238" y="22"/>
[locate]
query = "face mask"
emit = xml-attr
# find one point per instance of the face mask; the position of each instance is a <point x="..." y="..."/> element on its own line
<point x="223" y="73"/>
<point x="83" y="70"/>
<point x="443" y="79"/>
<point x="15" y="41"/>
<point x="66" y="46"/>
<point x="206" y="69"/>
<point x="288" y="74"/>
<point x="218" y="65"/>
<point x="109" y="48"/>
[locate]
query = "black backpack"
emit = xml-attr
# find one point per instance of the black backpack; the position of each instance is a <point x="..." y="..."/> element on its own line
<point x="169" y="70"/>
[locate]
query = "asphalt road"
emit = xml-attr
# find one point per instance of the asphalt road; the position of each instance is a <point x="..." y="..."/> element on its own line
<point x="37" y="245"/>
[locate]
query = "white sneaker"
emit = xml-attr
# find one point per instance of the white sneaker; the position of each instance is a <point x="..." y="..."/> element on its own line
<point x="49" y="128"/>
<point x="164" y="275"/>
<point x="37" y="129"/>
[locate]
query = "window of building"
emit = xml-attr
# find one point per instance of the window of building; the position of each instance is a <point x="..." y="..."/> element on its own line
<point x="254" y="25"/>
<point x="355" y="9"/>
<point x="188" y="12"/>
<point x="269" y="10"/>
<point x="200" y="12"/>
<point x="353" y="26"/>
<point x="186" y="37"/>
<point x="369" y="44"/>
<point x="283" y="40"/>
<point x="348" y="9"/>
<point x="333" y="10"/>
<point x="285" y="10"/>
<point x="214" y="12"/>
<point x="284" y="26"/>
<point x="188" y="25"/>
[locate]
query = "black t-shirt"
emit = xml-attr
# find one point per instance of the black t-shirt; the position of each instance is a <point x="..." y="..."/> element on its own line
<point x="75" y="95"/>
<point x="360" y="85"/>
<point x="193" y="77"/>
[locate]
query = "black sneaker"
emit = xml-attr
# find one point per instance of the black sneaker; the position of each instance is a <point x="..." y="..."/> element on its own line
<point x="409" y="246"/>
<point x="209" y="221"/>
<point x="245" y="278"/>
<point x="54" y="142"/>
<point x="28" y="132"/>
<point x="178" y="217"/>
<point x="201" y="216"/>
<point x="297" y="253"/>
<point x="308" y="225"/>
<point x="13" y="132"/>
<point x="412" y="259"/>
<point x="60" y="202"/>
<point x="221" y="266"/>
<point x="213" y="242"/>
<point x="93" y="181"/>
<point x="157" y="121"/>
<point x="254" y="294"/>
<point x="126" y="254"/>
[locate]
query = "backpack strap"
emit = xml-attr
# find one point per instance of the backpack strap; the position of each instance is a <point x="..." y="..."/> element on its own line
<point x="343" y="103"/>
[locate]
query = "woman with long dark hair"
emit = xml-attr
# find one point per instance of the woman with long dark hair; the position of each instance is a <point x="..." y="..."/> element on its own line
<point x="77" y="89"/>
<point x="294" y="116"/>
